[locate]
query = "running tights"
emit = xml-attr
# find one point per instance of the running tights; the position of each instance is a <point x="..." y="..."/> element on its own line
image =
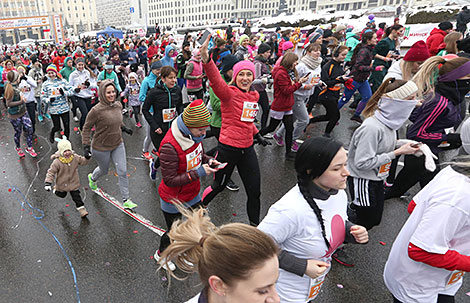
<point x="332" y="114"/>
<point x="288" y="121"/>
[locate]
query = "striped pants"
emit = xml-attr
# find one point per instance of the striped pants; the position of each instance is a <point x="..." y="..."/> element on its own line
<point x="367" y="200"/>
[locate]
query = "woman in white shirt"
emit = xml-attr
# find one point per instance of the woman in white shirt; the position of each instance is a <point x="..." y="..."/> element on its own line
<point x="310" y="222"/>
<point x="236" y="262"/>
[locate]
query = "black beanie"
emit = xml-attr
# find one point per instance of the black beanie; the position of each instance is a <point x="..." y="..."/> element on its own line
<point x="445" y="25"/>
<point x="315" y="156"/>
<point x="464" y="45"/>
<point x="228" y="62"/>
<point x="327" y="33"/>
<point x="263" y="47"/>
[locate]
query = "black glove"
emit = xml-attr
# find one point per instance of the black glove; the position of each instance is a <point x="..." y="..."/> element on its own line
<point x="48" y="186"/>
<point x="260" y="140"/>
<point x="23" y="78"/>
<point x="77" y="90"/>
<point x="87" y="83"/>
<point x="52" y="99"/>
<point x="61" y="91"/>
<point x="454" y="140"/>
<point x="87" y="151"/>
<point x="127" y="130"/>
<point x="44" y="79"/>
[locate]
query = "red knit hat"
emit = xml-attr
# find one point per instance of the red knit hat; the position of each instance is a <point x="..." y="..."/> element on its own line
<point x="196" y="115"/>
<point x="418" y="52"/>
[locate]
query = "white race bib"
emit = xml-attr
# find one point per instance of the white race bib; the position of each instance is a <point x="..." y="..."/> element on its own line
<point x="315" y="80"/>
<point x="383" y="170"/>
<point x="55" y="92"/>
<point x="194" y="159"/>
<point x="315" y="285"/>
<point x="455" y="277"/>
<point x="169" y="114"/>
<point x="250" y="110"/>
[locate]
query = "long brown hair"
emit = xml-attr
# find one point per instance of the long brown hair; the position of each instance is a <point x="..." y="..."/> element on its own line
<point x="288" y="61"/>
<point x="387" y="86"/>
<point x="451" y="42"/>
<point x="9" y="90"/>
<point x="230" y="252"/>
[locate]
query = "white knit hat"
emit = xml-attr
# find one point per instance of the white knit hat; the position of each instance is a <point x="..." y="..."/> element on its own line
<point x="64" y="145"/>
<point x="403" y="91"/>
<point x="465" y="136"/>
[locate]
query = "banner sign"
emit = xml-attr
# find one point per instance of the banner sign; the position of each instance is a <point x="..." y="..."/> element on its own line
<point x="25" y="22"/>
<point x="416" y="32"/>
<point x="58" y="29"/>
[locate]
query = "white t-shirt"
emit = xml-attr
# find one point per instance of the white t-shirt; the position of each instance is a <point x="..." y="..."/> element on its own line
<point x="439" y="222"/>
<point x="194" y="300"/>
<point x="292" y="223"/>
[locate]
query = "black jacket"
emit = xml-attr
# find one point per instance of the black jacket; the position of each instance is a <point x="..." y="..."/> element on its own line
<point x="462" y="19"/>
<point x="330" y="74"/>
<point x="159" y="98"/>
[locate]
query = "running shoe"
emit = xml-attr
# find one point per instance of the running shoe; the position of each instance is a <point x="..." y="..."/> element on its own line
<point x="19" y="152"/>
<point x="386" y="184"/>
<point x="92" y="183"/>
<point x="124" y="111"/>
<point x="31" y="152"/>
<point x="155" y="152"/>
<point x="75" y="118"/>
<point x="326" y="135"/>
<point x="299" y="141"/>
<point x="83" y="212"/>
<point x="342" y="258"/>
<point x="153" y="171"/>
<point x="129" y="204"/>
<point x="47" y="116"/>
<point x="232" y="186"/>
<point x="268" y="136"/>
<point x="171" y="266"/>
<point x="356" y="119"/>
<point x="138" y="125"/>
<point x="146" y="155"/>
<point x="40" y="118"/>
<point x="279" y="140"/>
<point x="295" y="146"/>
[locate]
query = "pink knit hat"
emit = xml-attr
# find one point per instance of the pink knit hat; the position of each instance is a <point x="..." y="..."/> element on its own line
<point x="245" y="64"/>
<point x="287" y="45"/>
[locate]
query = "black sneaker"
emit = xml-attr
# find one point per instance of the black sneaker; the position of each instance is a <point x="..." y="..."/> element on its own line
<point x="342" y="258"/>
<point x="357" y="119"/>
<point x="232" y="186"/>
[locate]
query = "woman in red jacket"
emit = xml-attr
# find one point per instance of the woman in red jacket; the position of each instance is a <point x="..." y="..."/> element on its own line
<point x="239" y="107"/>
<point x="284" y="88"/>
<point x="183" y="163"/>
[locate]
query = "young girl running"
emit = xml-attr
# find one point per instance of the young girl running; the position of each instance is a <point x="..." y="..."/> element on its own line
<point x="18" y="115"/>
<point x="310" y="221"/>
<point x="132" y="94"/>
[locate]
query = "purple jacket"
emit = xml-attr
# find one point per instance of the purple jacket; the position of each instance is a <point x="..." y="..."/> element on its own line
<point x="430" y="120"/>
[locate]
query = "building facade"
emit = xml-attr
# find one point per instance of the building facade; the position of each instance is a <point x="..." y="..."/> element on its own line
<point x="15" y="9"/>
<point x="121" y="13"/>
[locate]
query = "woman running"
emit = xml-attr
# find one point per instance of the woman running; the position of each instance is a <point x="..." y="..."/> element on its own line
<point x="235" y="262"/>
<point x="239" y="107"/>
<point x="107" y="143"/>
<point x="310" y="221"/>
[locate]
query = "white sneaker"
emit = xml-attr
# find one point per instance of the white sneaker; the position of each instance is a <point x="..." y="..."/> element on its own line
<point x="268" y="136"/>
<point x="76" y="119"/>
<point x="157" y="258"/>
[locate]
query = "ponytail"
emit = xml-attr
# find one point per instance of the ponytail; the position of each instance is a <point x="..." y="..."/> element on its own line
<point x="426" y="77"/>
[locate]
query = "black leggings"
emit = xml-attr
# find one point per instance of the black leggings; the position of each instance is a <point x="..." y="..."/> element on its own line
<point x="246" y="161"/>
<point x="31" y="109"/>
<point x="440" y="299"/>
<point x="136" y="113"/>
<point x="263" y="101"/>
<point x="75" y="196"/>
<point x="413" y="172"/>
<point x="156" y="140"/>
<point x="169" y="219"/>
<point x="288" y="121"/>
<point x="213" y="132"/>
<point x="332" y="113"/>
<point x="313" y="99"/>
<point x="65" y="117"/>
<point x="84" y="105"/>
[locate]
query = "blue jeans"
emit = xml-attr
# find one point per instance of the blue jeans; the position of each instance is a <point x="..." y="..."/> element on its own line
<point x="364" y="90"/>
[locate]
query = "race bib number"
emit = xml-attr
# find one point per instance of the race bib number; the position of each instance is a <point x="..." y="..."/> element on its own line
<point x="169" y="114"/>
<point x="250" y="110"/>
<point x="315" y="285"/>
<point x="455" y="277"/>
<point x="194" y="159"/>
<point x="384" y="169"/>
<point x="55" y="92"/>
<point x="315" y="80"/>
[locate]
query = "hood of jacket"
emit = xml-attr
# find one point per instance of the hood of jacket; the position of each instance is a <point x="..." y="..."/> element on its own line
<point x="351" y="35"/>
<point x="437" y="31"/>
<point x="104" y="103"/>
<point x="393" y="113"/>
<point x="168" y="48"/>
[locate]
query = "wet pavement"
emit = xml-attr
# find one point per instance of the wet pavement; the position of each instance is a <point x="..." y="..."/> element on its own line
<point x="49" y="254"/>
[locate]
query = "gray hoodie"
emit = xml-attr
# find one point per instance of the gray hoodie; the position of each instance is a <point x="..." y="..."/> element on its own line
<point x="373" y="143"/>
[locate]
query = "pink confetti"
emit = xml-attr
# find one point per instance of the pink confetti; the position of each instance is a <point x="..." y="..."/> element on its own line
<point x="9" y="189"/>
<point x="75" y="129"/>
<point x="75" y="232"/>
<point x="234" y="214"/>
<point x="22" y="209"/>
<point x="61" y="133"/>
<point x="468" y="294"/>
<point x="382" y="243"/>
<point x="340" y="285"/>
<point x="67" y="215"/>
<point x="151" y="257"/>
<point x="67" y="205"/>
<point x="135" y="231"/>
<point x="164" y="278"/>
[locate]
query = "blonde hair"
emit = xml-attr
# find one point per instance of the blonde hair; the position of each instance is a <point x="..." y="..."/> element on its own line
<point x="451" y="42"/>
<point x="230" y="252"/>
<point x="387" y="86"/>
<point x="406" y="67"/>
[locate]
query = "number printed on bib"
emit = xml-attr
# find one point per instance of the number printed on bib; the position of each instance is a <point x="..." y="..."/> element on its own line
<point x="169" y="114"/>
<point x="250" y="110"/>
<point x="194" y="159"/>
<point x="384" y="169"/>
<point x="455" y="277"/>
<point x="55" y="92"/>
<point x="315" y="80"/>
<point x="315" y="285"/>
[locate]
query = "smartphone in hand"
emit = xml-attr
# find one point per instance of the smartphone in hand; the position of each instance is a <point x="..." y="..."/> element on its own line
<point x="203" y="37"/>
<point x="218" y="166"/>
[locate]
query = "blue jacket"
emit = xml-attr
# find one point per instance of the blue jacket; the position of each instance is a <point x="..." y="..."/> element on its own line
<point x="113" y="76"/>
<point x="147" y="84"/>
<point x="167" y="60"/>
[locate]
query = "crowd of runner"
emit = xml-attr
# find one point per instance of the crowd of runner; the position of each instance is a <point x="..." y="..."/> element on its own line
<point x="220" y="87"/>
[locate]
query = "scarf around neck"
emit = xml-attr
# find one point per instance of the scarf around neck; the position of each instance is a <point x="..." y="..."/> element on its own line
<point x="311" y="62"/>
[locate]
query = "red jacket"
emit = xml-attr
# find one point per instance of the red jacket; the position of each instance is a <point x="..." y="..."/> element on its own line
<point x="179" y="159"/>
<point x="283" y="90"/>
<point x="434" y="40"/>
<point x="238" y="110"/>
<point x="151" y="52"/>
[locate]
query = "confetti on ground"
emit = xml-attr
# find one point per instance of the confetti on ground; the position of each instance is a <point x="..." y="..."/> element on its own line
<point x="22" y="209"/>
<point x="75" y="129"/>
<point x="340" y="285"/>
<point x="62" y="133"/>
<point x="75" y="232"/>
<point x="50" y="294"/>
<point x="9" y="189"/>
<point x="151" y="257"/>
<point x="67" y="205"/>
<point x="107" y="264"/>
<point x="468" y="293"/>
<point x="382" y="243"/>
<point x="39" y="261"/>
<point x="164" y="278"/>
<point x="97" y="212"/>
<point x="135" y="231"/>
<point x="234" y="214"/>
<point x="67" y="215"/>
